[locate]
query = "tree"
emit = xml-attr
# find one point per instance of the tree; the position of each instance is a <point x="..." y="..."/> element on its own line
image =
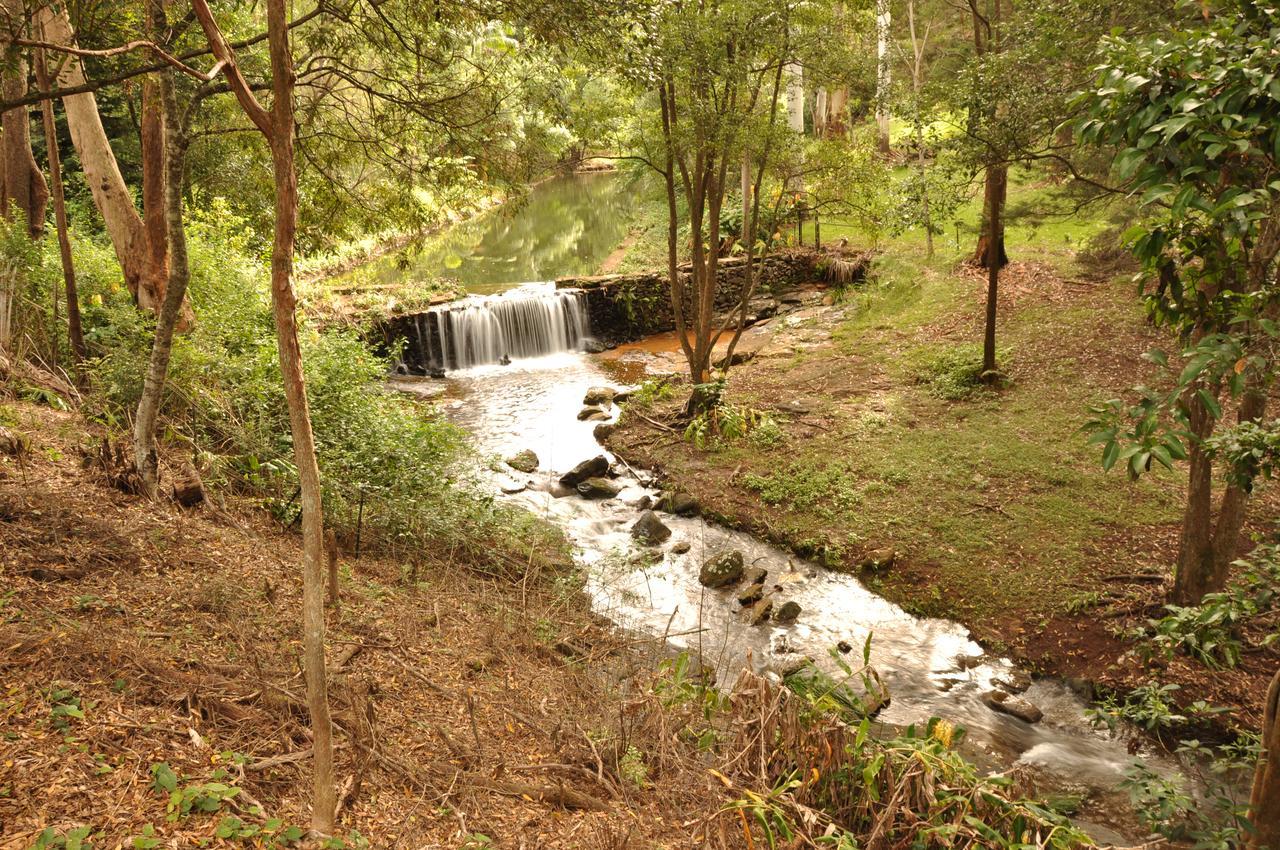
<point x="1264" y="801"/>
<point x="1195" y="120"/>
<point x="719" y="71"/>
<point x="277" y="126"/>
<point x="75" y="333"/>
<point x="884" y="73"/>
<point x="143" y="274"/>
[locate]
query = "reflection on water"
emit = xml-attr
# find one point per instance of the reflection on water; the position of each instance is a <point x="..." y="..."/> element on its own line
<point x="566" y="226"/>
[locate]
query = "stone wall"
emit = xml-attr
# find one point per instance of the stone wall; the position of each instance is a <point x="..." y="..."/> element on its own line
<point x="625" y="307"/>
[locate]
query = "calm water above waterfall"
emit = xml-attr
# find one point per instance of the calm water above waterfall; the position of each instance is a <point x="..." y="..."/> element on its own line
<point x="565" y="226"/>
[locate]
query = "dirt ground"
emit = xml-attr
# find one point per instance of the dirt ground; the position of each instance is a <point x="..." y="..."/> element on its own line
<point x="137" y="639"/>
<point x="997" y="511"/>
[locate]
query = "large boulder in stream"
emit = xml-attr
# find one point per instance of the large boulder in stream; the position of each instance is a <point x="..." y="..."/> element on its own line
<point x="593" y="468"/>
<point x="649" y="529"/>
<point x="679" y="503"/>
<point x="1012" y="706"/>
<point x="599" y="396"/>
<point x="722" y="568"/>
<point x="592" y="414"/>
<point x="599" y="488"/>
<point x="525" y="461"/>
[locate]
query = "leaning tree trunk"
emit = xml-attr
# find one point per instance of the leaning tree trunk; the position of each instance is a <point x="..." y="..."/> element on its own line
<point x="111" y="195"/>
<point x="278" y="128"/>
<point x="75" y="334"/>
<point x="1264" y="802"/>
<point x="179" y="274"/>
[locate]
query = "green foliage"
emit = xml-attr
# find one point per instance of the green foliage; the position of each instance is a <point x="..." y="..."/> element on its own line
<point x="828" y="488"/>
<point x="225" y="403"/>
<point x="953" y="373"/>
<point x="76" y="838"/>
<point x="1150" y="706"/>
<point x="1195" y="119"/>
<point x="720" y="421"/>
<point x="66" y="706"/>
<point x="631" y="767"/>
<point x="1212" y="813"/>
<point x="1212" y="632"/>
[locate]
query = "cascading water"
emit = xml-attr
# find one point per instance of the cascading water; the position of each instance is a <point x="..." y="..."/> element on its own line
<point x="530" y="321"/>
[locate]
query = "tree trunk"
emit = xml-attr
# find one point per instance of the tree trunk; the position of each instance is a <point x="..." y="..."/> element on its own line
<point x="22" y="189"/>
<point x="75" y="333"/>
<point x="991" y="237"/>
<point x="278" y="127"/>
<point x="111" y="196"/>
<point x="1264" y="802"/>
<point x="144" y="425"/>
<point x="1195" y="546"/>
<point x="996" y="179"/>
<point x="154" y="155"/>
<point x="883" y="74"/>
<point x="284" y="303"/>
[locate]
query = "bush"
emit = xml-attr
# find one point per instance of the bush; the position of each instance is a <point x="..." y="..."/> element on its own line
<point x="389" y="463"/>
<point x="951" y="374"/>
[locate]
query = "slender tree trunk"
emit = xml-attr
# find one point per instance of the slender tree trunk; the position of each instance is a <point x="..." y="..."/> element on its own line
<point x="144" y="425"/>
<point x="278" y="128"/>
<point x="324" y="793"/>
<point x="995" y="207"/>
<point x="75" y="333"/>
<point x="1264" y="802"/>
<point x="917" y="84"/>
<point x="883" y="74"/>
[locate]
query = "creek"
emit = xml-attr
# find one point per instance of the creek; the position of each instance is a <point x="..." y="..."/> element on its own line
<point x="932" y="667"/>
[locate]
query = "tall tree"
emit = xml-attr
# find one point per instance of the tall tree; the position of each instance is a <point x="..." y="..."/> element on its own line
<point x="75" y="332"/>
<point x="277" y="126"/>
<point x="720" y="71"/>
<point x="884" y="72"/>
<point x="1196" y="127"/>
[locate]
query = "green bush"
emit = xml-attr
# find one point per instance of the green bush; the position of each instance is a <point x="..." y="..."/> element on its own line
<point x="951" y="374"/>
<point x="390" y="463"/>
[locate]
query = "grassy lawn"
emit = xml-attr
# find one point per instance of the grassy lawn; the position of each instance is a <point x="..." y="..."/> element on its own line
<point x="996" y="505"/>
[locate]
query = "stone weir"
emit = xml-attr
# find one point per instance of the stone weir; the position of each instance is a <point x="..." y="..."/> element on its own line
<point x="578" y="314"/>
<point x="626" y="307"/>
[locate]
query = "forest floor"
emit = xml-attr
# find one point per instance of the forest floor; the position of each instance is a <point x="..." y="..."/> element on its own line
<point x="150" y="660"/>
<point x="997" y="508"/>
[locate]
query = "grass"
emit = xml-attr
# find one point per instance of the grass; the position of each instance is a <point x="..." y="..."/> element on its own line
<point x="996" y="503"/>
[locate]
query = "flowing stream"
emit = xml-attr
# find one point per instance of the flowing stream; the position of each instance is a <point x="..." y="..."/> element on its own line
<point x="931" y="666"/>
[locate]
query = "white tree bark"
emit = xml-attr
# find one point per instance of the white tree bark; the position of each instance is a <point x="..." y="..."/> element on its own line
<point x="884" y="79"/>
<point x="101" y="172"/>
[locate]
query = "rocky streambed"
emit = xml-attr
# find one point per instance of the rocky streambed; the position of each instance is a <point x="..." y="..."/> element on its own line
<point x="654" y="565"/>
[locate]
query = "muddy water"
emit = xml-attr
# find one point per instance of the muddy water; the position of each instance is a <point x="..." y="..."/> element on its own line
<point x="931" y="666"/>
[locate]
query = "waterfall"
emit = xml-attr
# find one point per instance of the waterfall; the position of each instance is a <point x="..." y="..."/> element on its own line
<point x="530" y="321"/>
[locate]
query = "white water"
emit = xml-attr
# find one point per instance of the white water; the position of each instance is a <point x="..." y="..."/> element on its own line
<point x="924" y="661"/>
<point x="533" y="320"/>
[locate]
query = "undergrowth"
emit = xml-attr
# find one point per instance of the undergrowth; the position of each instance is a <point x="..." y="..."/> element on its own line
<point x="389" y="465"/>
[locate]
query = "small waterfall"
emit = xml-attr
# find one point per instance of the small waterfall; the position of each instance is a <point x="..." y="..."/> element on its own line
<point x="530" y="321"/>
